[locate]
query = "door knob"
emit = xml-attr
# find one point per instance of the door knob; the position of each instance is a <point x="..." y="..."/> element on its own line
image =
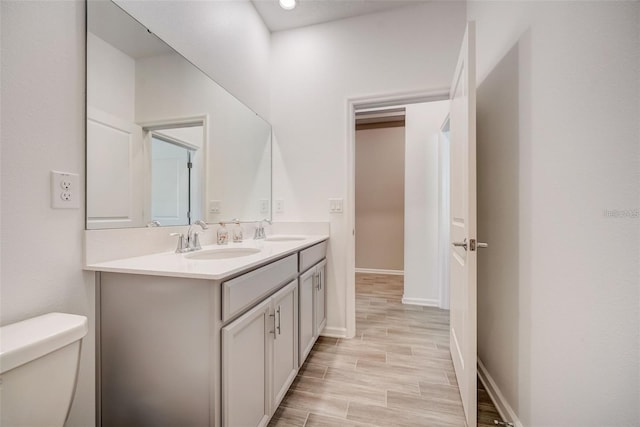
<point x="473" y="244"/>
<point x="462" y="244"/>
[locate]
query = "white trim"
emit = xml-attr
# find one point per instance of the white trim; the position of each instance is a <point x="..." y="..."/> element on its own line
<point x="354" y="104"/>
<point x="504" y="409"/>
<point x="332" y="332"/>
<point x="175" y="141"/>
<point x="379" y="271"/>
<point x="425" y="302"/>
<point x="444" y="203"/>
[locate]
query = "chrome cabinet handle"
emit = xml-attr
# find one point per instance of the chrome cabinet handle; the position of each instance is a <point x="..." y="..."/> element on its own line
<point x="275" y="335"/>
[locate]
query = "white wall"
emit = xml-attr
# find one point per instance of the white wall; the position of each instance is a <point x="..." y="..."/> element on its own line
<point x="380" y="166"/>
<point x="315" y="70"/>
<point x="422" y="207"/>
<point x="43" y="129"/>
<point x="558" y="144"/>
<point x="225" y="39"/>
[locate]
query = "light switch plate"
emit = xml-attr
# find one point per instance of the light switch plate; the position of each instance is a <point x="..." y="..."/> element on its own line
<point x="65" y="190"/>
<point x="335" y="205"/>
<point x="264" y="206"/>
<point x="215" y="206"/>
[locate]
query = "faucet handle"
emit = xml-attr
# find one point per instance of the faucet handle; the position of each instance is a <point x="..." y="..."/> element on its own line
<point x="195" y="244"/>
<point x="181" y="242"/>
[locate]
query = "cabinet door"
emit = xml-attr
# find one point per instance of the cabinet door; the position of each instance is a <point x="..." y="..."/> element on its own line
<point x="245" y="368"/>
<point x="320" y="297"/>
<point x="285" y="340"/>
<point x="306" y="289"/>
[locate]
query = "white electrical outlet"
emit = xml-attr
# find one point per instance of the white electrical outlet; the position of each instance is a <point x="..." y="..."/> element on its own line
<point x="279" y="206"/>
<point x="65" y="190"/>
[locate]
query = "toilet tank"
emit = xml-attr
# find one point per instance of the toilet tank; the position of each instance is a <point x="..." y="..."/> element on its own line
<point x="39" y="359"/>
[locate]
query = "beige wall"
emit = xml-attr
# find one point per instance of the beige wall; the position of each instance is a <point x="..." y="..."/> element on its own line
<point x="380" y="198"/>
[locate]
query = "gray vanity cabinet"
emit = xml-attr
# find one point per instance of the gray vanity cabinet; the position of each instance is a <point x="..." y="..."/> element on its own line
<point x="245" y="361"/>
<point x="174" y="351"/>
<point x="320" y="298"/>
<point x="285" y="341"/>
<point x="156" y="351"/>
<point x="307" y="330"/>
<point x="260" y="359"/>
<point x="313" y="309"/>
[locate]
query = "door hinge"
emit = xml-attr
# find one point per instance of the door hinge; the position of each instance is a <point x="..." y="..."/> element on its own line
<point x="189" y="165"/>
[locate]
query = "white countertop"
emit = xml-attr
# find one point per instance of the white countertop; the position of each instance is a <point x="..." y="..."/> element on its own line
<point x="171" y="264"/>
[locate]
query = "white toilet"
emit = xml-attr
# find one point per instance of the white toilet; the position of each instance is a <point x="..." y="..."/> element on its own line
<point x="39" y="361"/>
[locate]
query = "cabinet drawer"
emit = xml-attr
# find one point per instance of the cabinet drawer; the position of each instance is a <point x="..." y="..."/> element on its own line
<point x="312" y="255"/>
<point x="242" y="292"/>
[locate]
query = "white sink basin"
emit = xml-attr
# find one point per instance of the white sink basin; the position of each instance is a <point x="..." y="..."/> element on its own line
<point x="221" y="253"/>
<point x="283" y="238"/>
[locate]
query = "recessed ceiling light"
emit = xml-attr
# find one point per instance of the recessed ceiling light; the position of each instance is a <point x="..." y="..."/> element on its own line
<point x="287" y="4"/>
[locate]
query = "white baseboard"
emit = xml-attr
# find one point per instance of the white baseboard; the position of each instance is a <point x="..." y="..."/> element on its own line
<point x="377" y="271"/>
<point x="421" y="301"/>
<point x="334" y="332"/>
<point x="504" y="409"/>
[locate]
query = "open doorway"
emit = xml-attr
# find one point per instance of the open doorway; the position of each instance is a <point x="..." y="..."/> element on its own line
<point x="379" y="198"/>
<point x="401" y="197"/>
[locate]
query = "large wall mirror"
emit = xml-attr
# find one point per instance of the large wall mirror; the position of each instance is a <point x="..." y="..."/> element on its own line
<point x="166" y="145"/>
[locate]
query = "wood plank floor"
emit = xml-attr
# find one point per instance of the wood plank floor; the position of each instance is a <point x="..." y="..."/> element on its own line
<point x="397" y="371"/>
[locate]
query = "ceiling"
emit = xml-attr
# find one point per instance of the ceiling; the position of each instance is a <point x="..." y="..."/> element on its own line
<point x="310" y="12"/>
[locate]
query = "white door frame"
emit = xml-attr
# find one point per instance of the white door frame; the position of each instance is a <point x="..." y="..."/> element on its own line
<point x="355" y="104"/>
<point x="444" y="242"/>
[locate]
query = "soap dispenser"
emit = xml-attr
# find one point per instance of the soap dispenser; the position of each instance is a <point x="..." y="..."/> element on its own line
<point x="237" y="232"/>
<point x="223" y="234"/>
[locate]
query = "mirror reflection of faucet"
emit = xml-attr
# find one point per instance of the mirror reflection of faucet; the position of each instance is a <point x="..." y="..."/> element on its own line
<point x="154" y="223"/>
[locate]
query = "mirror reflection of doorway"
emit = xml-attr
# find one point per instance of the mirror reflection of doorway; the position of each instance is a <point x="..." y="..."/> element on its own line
<point x="175" y="163"/>
<point x="170" y="182"/>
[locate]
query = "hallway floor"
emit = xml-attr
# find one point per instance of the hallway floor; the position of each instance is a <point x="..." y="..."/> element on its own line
<point x="397" y="371"/>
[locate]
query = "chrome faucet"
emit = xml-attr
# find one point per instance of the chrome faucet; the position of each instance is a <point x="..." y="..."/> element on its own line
<point x="193" y="239"/>
<point x="259" y="234"/>
<point x="154" y="223"/>
<point x="190" y="242"/>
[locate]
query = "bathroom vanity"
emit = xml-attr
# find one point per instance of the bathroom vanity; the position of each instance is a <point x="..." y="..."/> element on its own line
<point x="208" y="338"/>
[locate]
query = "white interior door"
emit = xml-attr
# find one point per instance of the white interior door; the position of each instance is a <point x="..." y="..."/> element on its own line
<point x="463" y="261"/>
<point x="114" y="171"/>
